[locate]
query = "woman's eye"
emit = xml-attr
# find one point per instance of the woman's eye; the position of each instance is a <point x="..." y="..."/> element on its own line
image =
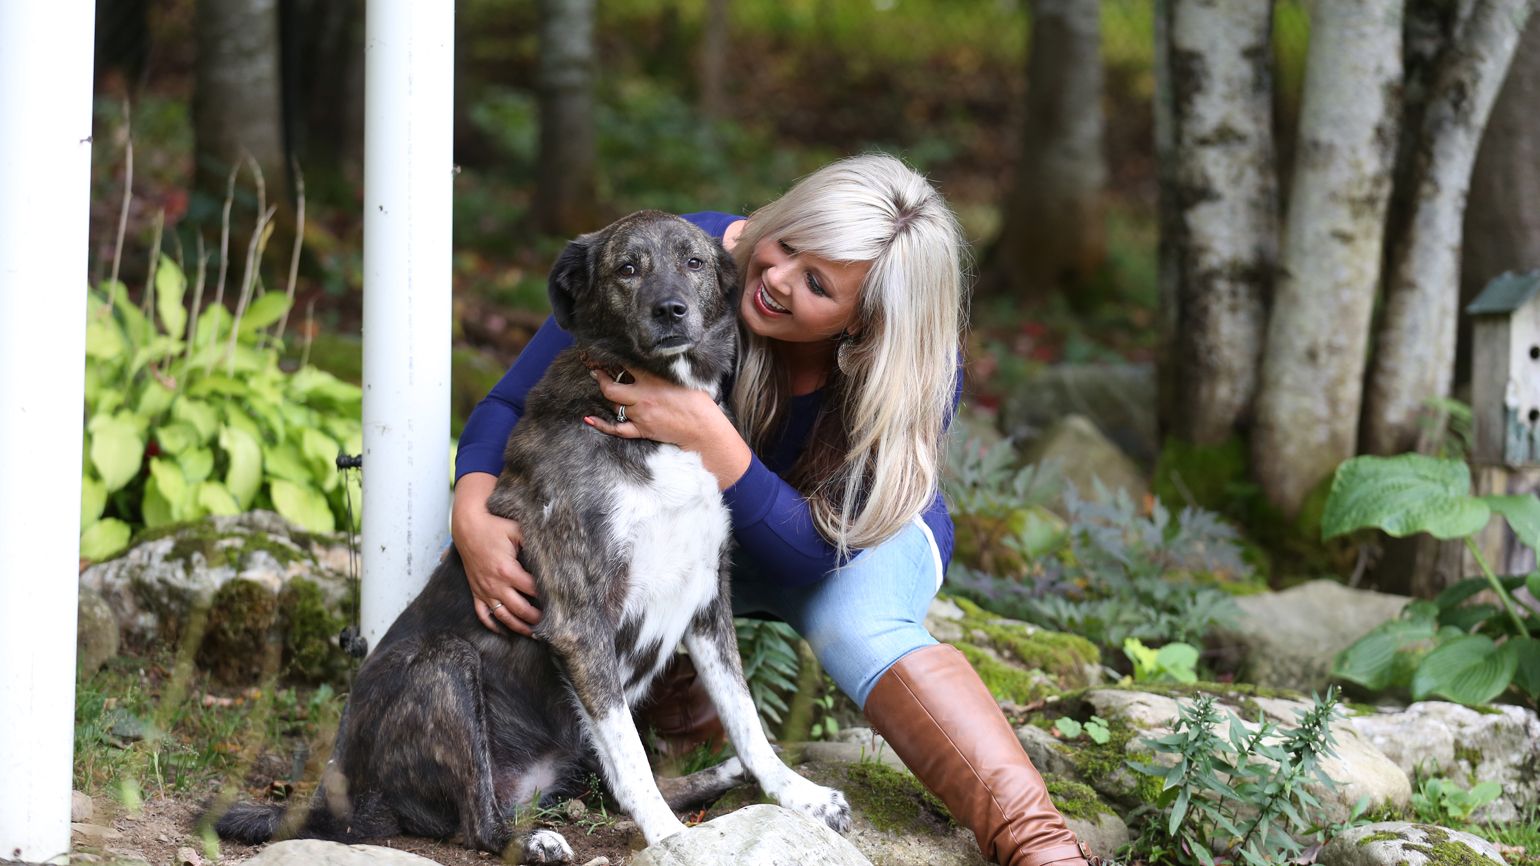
<point x="787" y="248"/>
<point x="626" y="270"/>
<point x="694" y="264"/>
<point x="814" y="286"/>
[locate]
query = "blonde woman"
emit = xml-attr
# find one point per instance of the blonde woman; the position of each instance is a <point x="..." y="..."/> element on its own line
<point x="847" y="376"/>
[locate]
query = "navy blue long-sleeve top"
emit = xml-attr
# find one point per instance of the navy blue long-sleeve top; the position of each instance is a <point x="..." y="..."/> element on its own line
<point x="771" y="520"/>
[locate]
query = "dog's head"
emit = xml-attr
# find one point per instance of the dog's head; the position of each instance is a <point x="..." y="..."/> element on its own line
<point x="649" y="286"/>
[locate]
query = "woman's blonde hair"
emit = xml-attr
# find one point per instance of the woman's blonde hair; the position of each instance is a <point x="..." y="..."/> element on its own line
<point x="874" y="455"/>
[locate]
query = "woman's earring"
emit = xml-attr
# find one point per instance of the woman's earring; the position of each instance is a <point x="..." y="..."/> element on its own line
<point x="843" y="358"/>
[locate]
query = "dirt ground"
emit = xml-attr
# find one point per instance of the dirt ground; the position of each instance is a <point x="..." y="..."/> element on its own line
<point x="163" y="833"/>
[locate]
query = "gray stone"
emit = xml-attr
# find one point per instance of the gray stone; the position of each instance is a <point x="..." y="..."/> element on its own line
<point x="844" y="752"/>
<point x="1288" y="639"/>
<point x="1358" y="769"/>
<point x="758" y="835"/>
<point x="1118" y="398"/>
<point x="1104" y="836"/>
<point x="81" y="807"/>
<point x="1399" y="843"/>
<point x="1499" y="743"/>
<point x="96" y="632"/>
<point x="1049" y="755"/>
<point x="93" y="834"/>
<point x="1088" y="460"/>
<point x="314" y="852"/>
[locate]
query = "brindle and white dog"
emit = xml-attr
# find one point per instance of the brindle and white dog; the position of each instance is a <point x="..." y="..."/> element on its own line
<point x="450" y="728"/>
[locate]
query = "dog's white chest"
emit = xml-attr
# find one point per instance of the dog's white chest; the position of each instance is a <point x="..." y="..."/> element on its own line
<point x="675" y="526"/>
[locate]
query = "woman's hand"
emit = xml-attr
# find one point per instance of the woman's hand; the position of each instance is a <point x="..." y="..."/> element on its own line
<point x="489" y="547"/>
<point x="662" y="411"/>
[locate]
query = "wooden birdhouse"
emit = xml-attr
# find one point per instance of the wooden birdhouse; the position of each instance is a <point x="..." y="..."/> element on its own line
<point x="1505" y="404"/>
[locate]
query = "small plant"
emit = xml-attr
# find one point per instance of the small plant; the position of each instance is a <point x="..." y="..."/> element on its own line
<point x="1232" y="794"/>
<point x="1442" y="802"/>
<point x="827" y="726"/>
<point x="770" y="665"/>
<point x="1000" y="508"/>
<point x="1172" y="663"/>
<point x="1467" y="652"/>
<point x="1095" y="729"/>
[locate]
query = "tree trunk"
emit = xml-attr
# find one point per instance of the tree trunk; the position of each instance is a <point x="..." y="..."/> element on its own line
<point x="323" y="56"/>
<point x="567" y="191"/>
<point x="1226" y="203"/>
<point x="713" y="60"/>
<point x="1502" y="217"/>
<point x="1313" y="365"/>
<point x="236" y="105"/>
<point x="1053" y="236"/>
<point x="1414" y="359"/>
<point x="1168" y="280"/>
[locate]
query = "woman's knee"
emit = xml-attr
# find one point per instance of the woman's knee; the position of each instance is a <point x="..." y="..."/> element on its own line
<point x="856" y="657"/>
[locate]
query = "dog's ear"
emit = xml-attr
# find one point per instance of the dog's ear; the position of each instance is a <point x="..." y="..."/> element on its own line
<point x="727" y="275"/>
<point x="569" y="276"/>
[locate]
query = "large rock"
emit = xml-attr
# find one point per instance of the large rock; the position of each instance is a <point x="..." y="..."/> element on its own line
<point x="759" y="835"/>
<point x="1088" y="460"/>
<point x="1118" y="398"/>
<point x="1018" y="662"/>
<point x="1288" y="639"/>
<point x="96" y="632"/>
<point x="1498" y="743"/>
<point x="314" y="852"/>
<point x="1398" y="843"/>
<point x="230" y="583"/>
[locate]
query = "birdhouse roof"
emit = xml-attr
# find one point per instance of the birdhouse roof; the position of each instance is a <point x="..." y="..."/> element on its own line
<point x="1505" y="294"/>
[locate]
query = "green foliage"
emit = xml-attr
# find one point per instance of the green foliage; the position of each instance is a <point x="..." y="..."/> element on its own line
<point x="999" y="508"/>
<point x="1230" y="794"/>
<point x="187" y="418"/>
<point x="1095" y="730"/>
<point x="769" y="651"/>
<point x="1442" y="802"/>
<point x="1455" y="647"/>
<point x="1173" y="663"/>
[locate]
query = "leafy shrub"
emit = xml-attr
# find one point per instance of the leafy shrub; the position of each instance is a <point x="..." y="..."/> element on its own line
<point x="769" y="651"/>
<point x="1442" y="802"/>
<point x="1172" y="663"/>
<point x="1238" y="795"/>
<point x="1466" y="651"/>
<point x="189" y="415"/>
<point x="999" y="509"/>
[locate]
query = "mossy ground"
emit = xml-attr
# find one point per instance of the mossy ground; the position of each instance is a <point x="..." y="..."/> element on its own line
<point x="893" y="800"/>
<point x="1045" y="662"/>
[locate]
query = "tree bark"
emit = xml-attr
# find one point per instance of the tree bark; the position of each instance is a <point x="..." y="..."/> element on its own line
<point x="713" y="60"/>
<point x="1502" y="217"/>
<point x="567" y="191"/>
<point x="1053" y="236"/>
<point x="323" y="56"/>
<point x="1226" y="202"/>
<point x="1313" y="365"/>
<point x="236" y="105"/>
<point x="1414" y="359"/>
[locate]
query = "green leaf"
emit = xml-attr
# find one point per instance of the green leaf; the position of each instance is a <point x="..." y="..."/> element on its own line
<point x="178" y="436"/>
<point x="216" y="499"/>
<point x="155" y="507"/>
<point x="153" y="400"/>
<point x="320" y="451"/>
<point x="197" y="464"/>
<point x="117" y="452"/>
<point x="310" y="385"/>
<point x="1523" y="513"/>
<point x="93" y="498"/>
<point x="243" y="457"/>
<point x="1532" y="583"/>
<point x="1068" y="726"/>
<point x="213" y="326"/>
<point x="1179" y="661"/>
<point x="170" y="285"/>
<point x="303" y="506"/>
<point x="199" y="414"/>
<point x="173" y="485"/>
<point x="1469" y="669"/>
<point x="1403" y="495"/>
<point x="1527" y="673"/>
<point x="104" y="539"/>
<point x="284" y="460"/>
<point x="1371" y="660"/>
<point x="266" y="309"/>
<point x="104" y="340"/>
<point x="138" y="329"/>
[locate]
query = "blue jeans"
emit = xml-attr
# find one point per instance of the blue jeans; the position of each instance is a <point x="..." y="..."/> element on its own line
<point x="863" y="617"/>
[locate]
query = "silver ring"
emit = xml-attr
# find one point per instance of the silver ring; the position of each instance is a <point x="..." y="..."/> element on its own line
<point x="494" y="607"/>
<point x="620" y="413"/>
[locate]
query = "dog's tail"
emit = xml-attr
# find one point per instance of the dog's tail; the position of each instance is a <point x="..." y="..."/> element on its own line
<point x="250" y="823"/>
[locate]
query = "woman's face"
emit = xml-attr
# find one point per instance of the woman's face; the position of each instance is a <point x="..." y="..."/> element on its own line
<point x="799" y="297"/>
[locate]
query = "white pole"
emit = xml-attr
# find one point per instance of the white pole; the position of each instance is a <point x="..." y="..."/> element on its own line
<point x="45" y="176"/>
<point x="408" y="170"/>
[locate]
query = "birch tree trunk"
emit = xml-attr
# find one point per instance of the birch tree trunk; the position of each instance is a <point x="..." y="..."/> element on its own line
<point x="1226" y="202"/>
<point x="1053" y="235"/>
<point x="236" y="105"/>
<point x="567" y="191"/>
<point x="1414" y="359"/>
<point x="1502" y="218"/>
<point x="1313" y="365"/>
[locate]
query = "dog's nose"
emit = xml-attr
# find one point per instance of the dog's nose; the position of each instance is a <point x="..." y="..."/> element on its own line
<point x="673" y="308"/>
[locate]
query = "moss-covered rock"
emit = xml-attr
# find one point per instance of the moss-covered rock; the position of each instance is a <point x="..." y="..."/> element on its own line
<point x="310" y="628"/>
<point x="237" y="630"/>
<point x="1017" y="661"/>
<point x="1402" y="843"/>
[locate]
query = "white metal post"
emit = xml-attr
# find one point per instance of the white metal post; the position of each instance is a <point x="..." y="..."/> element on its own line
<point x="408" y="170"/>
<point x="45" y="178"/>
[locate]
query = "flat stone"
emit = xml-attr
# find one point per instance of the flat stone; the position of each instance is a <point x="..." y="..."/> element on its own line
<point x="757" y="835"/>
<point x="81" y="807"/>
<point x="314" y="852"/>
<point x="1400" y="843"/>
<point x="93" y="834"/>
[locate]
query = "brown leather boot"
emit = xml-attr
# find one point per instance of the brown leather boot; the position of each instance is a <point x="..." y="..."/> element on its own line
<point x="680" y="712"/>
<point x="939" y="718"/>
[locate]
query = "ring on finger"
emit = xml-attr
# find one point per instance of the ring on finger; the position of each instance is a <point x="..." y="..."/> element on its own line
<point x="620" y="413"/>
<point x="494" y="607"/>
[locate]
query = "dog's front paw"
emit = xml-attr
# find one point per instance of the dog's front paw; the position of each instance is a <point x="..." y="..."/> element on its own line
<point x="825" y="804"/>
<point x="544" y="847"/>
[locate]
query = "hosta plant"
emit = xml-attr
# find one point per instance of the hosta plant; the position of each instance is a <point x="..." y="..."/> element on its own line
<point x="1456" y="646"/>
<point x="188" y="414"/>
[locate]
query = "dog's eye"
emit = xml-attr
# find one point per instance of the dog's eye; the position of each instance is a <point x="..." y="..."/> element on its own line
<point x="694" y="264"/>
<point x="626" y="270"/>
